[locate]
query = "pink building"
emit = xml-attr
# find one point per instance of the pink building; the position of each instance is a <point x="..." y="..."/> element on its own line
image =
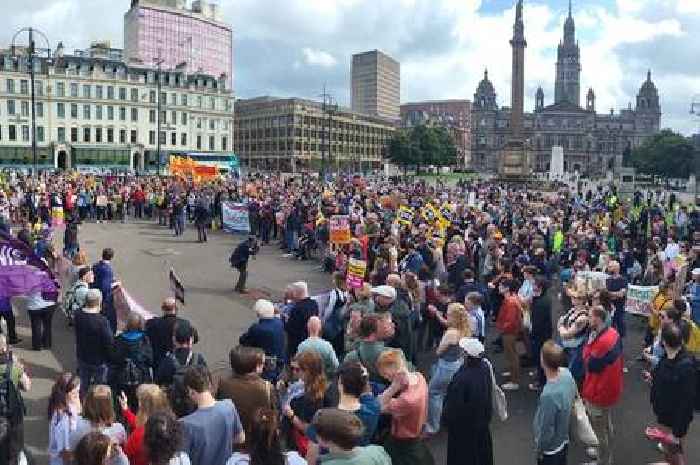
<point x="195" y="39"/>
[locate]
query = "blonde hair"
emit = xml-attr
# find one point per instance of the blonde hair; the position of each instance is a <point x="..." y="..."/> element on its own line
<point x="391" y="359"/>
<point x="457" y="318"/>
<point x="80" y="259"/>
<point x="151" y="399"/>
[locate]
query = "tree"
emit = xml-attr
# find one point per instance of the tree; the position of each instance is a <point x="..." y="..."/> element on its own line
<point x="422" y="146"/>
<point x="666" y="154"/>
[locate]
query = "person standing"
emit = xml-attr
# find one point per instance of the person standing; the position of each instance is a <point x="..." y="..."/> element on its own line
<point x="510" y="323"/>
<point x="551" y="422"/>
<point x="104" y="278"/>
<point x="602" y="382"/>
<point x="40" y="314"/>
<point x="673" y="391"/>
<point x="616" y="285"/>
<point x="94" y="342"/>
<point x="304" y="307"/>
<point x="202" y="219"/>
<point x="160" y="331"/>
<point x="267" y="334"/>
<point x="12" y="372"/>
<point x="239" y="260"/>
<point x="321" y="346"/>
<point x="541" y="331"/>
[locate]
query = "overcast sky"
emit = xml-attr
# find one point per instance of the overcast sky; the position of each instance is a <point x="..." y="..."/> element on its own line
<point x="293" y="47"/>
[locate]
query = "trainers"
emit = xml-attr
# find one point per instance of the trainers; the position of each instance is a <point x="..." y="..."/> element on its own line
<point x="625" y="370"/>
<point x="505" y="374"/>
<point x="592" y="452"/>
<point x="510" y="387"/>
<point x="534" y="387"/>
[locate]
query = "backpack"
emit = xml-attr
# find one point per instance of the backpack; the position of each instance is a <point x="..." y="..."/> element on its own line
<point x="334" y="323"/>
<point x="71" y="304"/>
<point x="134" y="372"/>
<point x="235" y="259"/>
<point x="11" y="404"/>
<point x="177" y="393"/>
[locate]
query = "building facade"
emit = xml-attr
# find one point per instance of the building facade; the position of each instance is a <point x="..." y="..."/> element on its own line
<point x="292" y="134"/>
<point x="94" y="112"/>
<point x="454" y="115"/>
<point x="195" y="40"/>
<point x="376" y="85"/>
<point x="593" y="143"/>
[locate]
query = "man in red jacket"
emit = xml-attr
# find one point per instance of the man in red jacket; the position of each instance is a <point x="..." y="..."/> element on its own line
<point x="510" y="324"/>
<point x="602" y="383"/>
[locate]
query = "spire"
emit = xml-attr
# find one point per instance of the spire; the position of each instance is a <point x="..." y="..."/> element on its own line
<point x="486" y="74"/>
<point x="649" y="75"/>
<point x="519" y="11"/>
<point x="519" y="26"/>
<point x="570" y="9"/>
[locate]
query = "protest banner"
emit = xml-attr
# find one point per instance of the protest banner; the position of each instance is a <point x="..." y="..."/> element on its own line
<point x="639" y="299"/>
<point x="176" y="286"/>
<point x="235" y="217"/>
<point x="430" y="214"/>
<point x="404" y="215"/>
<point x="339" y="229"/>
<point x="356" y="273"/>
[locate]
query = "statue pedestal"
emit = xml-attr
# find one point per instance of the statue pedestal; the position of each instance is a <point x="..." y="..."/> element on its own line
<point x="514" y="162"/>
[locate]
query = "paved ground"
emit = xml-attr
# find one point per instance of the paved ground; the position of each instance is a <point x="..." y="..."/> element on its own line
<point x="145" y="251"/>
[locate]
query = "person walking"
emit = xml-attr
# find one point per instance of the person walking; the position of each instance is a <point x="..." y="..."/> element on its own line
<point x="104" y="278"/>
<point x="551" y="422"/>
<point x="541" y="331"/>
<point x="94" y="342"/>
<point x="602" y="382"/>
<point x="510" y="323"/>
<point x="40" y="314"/>
<point x="202" y="219"/>
<point x="239" y="260"/>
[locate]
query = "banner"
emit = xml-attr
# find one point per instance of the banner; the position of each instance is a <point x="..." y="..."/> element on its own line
<point x="235" y="217"/>
<point x="639" y="299"/>
<point x="356" y="273"/>
<point x="404" y="215"/>
<point x="176" y="286"/>
<point x="340" y="229"/>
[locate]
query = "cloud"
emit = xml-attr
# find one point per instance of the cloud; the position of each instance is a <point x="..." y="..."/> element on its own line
<point x="321" y="58"/>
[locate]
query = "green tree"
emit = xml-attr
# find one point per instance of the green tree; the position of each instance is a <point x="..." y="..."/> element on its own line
<point x="666" y="154"/>
<point x="422" y="146"/>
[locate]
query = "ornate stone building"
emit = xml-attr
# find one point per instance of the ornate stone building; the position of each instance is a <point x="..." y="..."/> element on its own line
<point x="593" y="143"/>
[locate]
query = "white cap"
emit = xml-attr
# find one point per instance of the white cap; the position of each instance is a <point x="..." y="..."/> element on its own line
<point x="385" y="291"/>
<point x="472" y="346"/>
<point x="264" y="309"/>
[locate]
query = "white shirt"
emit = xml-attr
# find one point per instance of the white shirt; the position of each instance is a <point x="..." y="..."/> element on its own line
<point x="238" y="458"/>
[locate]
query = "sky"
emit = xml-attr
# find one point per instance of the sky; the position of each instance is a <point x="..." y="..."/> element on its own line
<point x="295" y="47"/>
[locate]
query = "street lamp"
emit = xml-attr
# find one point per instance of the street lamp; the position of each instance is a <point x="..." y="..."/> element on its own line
<point x="158" y="61"/>
<point x="31" y="53"/>
<point x="329" y="106"/>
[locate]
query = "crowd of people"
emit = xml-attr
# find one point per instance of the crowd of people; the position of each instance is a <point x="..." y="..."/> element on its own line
<point x="427" y="283"/>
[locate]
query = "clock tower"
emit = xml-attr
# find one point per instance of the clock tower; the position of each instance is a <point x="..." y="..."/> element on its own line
<point x="567" y="86"/>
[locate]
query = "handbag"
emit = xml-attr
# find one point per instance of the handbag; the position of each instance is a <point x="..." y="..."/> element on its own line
<point x="500" y="404"/>
<point x="581" y="424"/>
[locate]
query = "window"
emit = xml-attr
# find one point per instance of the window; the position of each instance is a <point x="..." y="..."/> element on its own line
<point x="25" y="133"/>
<point x="74" y="110"/>
<point x="61" y="90"/>
<point x="61" y="134"/>
<point x="24" y="108"/>
<point x="199" y="123"/>
<point x="173" y="117"/>
<point x="163" y="98"/>
<point x="122" y="93"/>
<point x="199" y="101"/>
<point x="86" y="134"/>
<point x="134" y="136"/>
<point x="184" y="100"/>
<point x="152" y="116"/>
<point x="199" y="142"/>
<point x="86" y="91"/>
<point x="184" y="118"/>
<point x="39" y="88"/>
<point x="162" y="139"/>
<point x="173" y="100"/>
<point x="12" y="132"/>
<point x="122" y="136"/>
<point x="224" y="143"/>
<point x="110" y="92"/>
<point x="173" y="138"/>
<point x="212" y="103"/>
<point x="10" y="107"/>
<point x="98" y="112"/>
<point x="39" y="108"/>
<point x="163" y="117"/>
<point x="40" y="133"/>
<point x="23" y="87"/>
<point x="110" y="135"/>
<point x="98" y="135"/>
<point x="74" y="134"/>
<point x="86" y="111"/>
<point x="183" y="139"/>
<point x="61" y="110"/>
<point x="134" y="95"/>
<point x="212" y="124"/>
<point x="73" y="89"/>
<point x="122" y="114"/>
<point x="10" y="86"/>
<point x="134" y="114"/>
<point x="152" y="96"/>
<point x="110" y="113"/>
<point x="211" y="143"/>
<point x="98" y="92"/>
<point x="152" y="137"/>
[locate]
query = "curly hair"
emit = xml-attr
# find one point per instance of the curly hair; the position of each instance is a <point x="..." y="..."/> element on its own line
<point x="457" y="318"/>
<point x="264" y="442"/>
<point x="315" y="383"/>
<point x="162" y="438"/>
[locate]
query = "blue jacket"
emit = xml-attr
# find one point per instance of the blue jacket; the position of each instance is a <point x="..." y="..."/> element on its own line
<point x="104" y="277"/>
<point x="267" y="334"/>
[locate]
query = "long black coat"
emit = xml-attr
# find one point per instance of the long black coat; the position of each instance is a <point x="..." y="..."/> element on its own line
<point x="467" y="414"/>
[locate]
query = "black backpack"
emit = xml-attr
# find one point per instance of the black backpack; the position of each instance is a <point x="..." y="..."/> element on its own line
<point x="235" y="259"/>
<point x="177" y="393"/>
<point x="135" y="371"/>
<point x="11" y="403"/>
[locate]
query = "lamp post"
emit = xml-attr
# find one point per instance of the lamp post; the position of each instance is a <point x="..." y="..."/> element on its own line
<point x="31" y="52"/>
<point x="158" y="61"/>
<point x="329" y="106"/>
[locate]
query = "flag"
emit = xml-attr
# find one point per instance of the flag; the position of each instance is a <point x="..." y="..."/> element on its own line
<point x="176" y="286"/>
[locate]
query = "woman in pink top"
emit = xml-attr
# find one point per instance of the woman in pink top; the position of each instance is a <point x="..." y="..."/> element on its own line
<point x="406" y="400"/>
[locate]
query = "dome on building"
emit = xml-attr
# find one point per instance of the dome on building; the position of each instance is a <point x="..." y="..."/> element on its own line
<point x="485" y="86"/>
<point x="648" y="87"/>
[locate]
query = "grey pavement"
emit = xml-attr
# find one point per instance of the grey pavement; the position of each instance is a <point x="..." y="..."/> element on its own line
<point x="144" y="253"/>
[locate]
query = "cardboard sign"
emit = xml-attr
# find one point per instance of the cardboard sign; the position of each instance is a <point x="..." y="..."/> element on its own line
<point x="639" y="299"/>
<point x="339" y="226"/>
<point x="356" y="273"/>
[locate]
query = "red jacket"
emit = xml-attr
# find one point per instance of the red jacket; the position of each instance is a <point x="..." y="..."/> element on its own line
<point x="510" y="316"/>
<point x="134" y="448"/>
<point x="603" y="363"/>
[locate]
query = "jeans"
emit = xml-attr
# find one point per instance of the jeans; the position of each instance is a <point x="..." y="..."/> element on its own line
<point x="41" y="327"/>
<point x="601" y="421"/>
<point x="242" y="276"/>
<point x="91" y="375"/>
<point x="536" y="349"/>
<point x="201" y="232"/>
<point x="179" y="225"/>
<point x="443" y="371"/>
<point x="511" y="355"/>
<point x="557" y="459"/>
